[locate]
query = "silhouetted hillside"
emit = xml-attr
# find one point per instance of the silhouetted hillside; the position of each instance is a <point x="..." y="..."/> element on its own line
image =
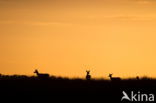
<point x="56" y="87"/>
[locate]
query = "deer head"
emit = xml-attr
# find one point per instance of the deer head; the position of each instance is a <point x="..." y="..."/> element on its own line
<point x="88" y="71"/>
<point x="36" y="71"/>
<point x="110" y="75"/>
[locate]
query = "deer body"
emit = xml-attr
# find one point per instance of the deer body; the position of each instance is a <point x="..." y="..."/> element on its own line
<point x="88" y="76"/>
<point x="114" y="78"/>
<point x="41" y="75"/>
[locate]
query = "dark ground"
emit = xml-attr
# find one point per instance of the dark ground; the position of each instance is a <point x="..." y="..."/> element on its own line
<point x="23" y="88"/>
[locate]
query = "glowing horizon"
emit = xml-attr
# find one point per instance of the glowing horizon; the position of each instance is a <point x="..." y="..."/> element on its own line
<point x="68" y="37"/>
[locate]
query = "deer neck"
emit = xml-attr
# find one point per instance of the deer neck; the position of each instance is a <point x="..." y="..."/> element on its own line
<point x="37" y="73"/>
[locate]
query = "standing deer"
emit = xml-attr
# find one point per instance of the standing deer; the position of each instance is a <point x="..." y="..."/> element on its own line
<point x="114" y="78"/>
<point x="41" y="75"/>
<point x="88" y="76"/>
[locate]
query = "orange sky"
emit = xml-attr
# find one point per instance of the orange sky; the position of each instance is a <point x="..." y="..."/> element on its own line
<point x="66" y="37"/>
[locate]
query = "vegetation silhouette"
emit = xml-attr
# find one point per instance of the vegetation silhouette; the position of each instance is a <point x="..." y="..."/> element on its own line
<point x="22" y="86"/>
<point x="137" y="77"/>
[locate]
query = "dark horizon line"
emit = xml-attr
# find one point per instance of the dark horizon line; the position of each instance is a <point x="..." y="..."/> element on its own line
<point x="93" y="78"/>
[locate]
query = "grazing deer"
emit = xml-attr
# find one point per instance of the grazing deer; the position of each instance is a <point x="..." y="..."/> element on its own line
<point x="114" y="78"/>
<point x="41" y="75"/>
<point x="88" y="76"/>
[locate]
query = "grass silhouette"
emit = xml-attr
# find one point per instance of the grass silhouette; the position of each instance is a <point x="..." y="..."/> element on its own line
<point x="35" y="87"/>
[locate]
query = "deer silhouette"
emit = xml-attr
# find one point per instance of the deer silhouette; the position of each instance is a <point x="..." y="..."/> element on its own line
<point x="41" y="75"/>
<point x="88" y="76"/>
<point x="114" y="78"/>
